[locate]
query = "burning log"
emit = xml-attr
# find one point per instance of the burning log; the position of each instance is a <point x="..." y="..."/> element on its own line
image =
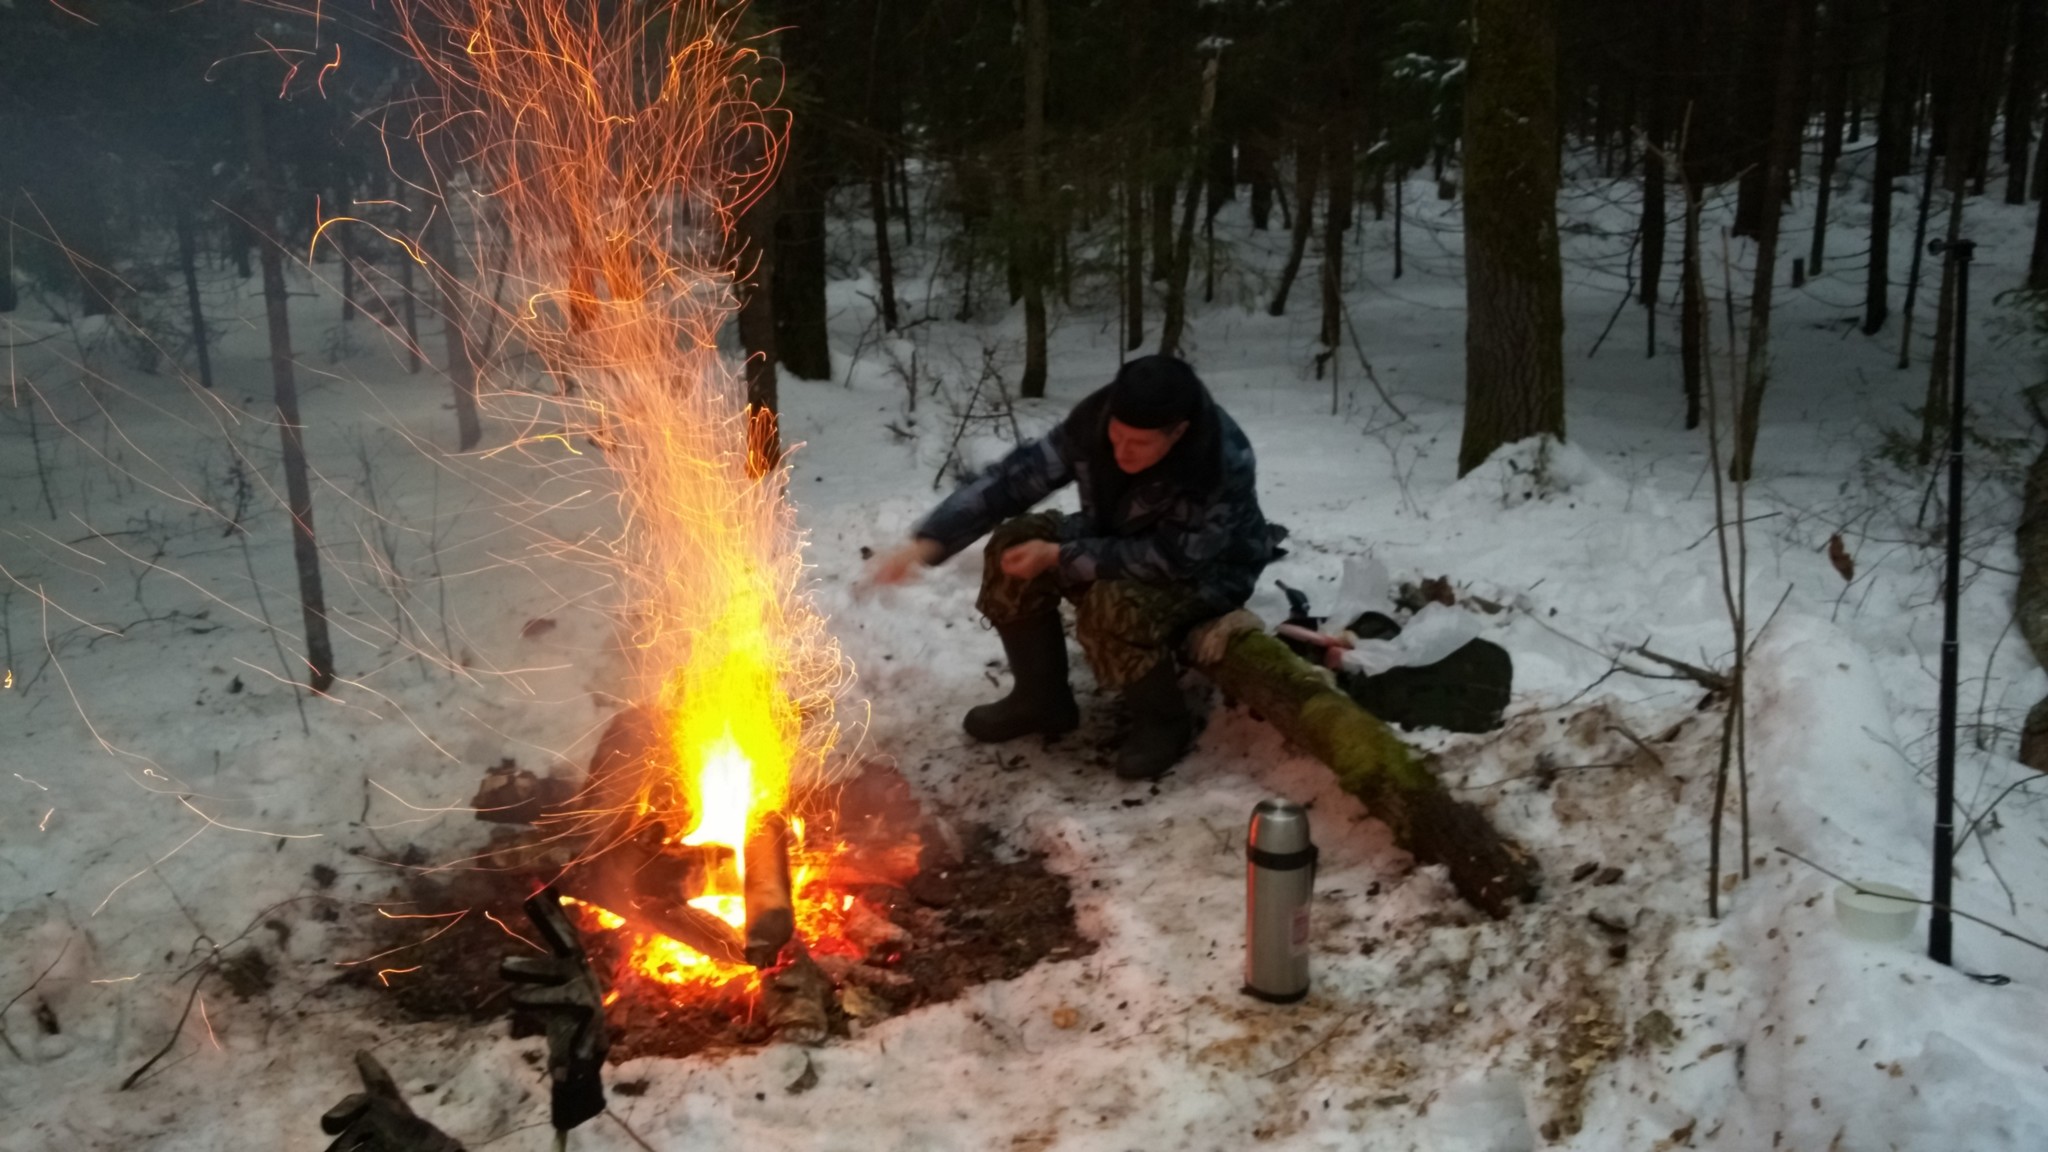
<point x="771" y="916"/>
<point x="1373" y="764"/>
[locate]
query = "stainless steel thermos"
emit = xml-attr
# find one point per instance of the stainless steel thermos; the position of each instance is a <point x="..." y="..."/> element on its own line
<point x="1280" y="876"/>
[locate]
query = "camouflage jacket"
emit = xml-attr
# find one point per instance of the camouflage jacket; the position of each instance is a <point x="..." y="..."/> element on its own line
<point x="1192" y="518"/>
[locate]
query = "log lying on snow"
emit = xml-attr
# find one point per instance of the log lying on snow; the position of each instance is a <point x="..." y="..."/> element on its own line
<point x="1373" y="764"/>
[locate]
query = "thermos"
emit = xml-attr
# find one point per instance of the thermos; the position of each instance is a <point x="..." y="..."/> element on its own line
<point x="1280" y="875"/>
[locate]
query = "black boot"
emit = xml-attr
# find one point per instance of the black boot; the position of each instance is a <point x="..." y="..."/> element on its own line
<point x="1040" y="701"/>
<point x="1161" y="728"/>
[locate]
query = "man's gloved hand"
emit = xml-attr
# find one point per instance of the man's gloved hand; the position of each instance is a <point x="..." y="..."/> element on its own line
<point x="1208" y="642"/>
<point x="563" y="991"/>
<point x="378" y="1119"/>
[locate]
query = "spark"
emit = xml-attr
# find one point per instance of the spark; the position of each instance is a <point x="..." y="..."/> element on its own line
<point x="33" y="783"/>
<point x="509" y="932"/>
<point x="117" y="979"/>
<point x="384" y="974"/>
<point x="159" y="860"/>
<point x="209" y="1024"/>
<point x="252" y="831"/>
<point x="43" y="825"/>
<point x="73" y="15"/>
<point x="320" y="82"/>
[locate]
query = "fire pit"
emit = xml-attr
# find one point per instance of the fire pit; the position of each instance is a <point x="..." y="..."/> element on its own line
<point x="853" y="905"/>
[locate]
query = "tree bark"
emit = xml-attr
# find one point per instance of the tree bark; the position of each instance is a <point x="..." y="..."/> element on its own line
<point x="1036" y="50"/>
<point x="1490" y="871"/>
<point x="285" y="395"/>
<point x="188" y="263"/>
<point x="1787" y="133"/>
<point x="1692" y="312"/>
<point x="450" y="305"/>
<point x="1340" y="164"/>
<point x="1308" y="163"/>
<point x="756" y="237"/>
<point x="9" y="298"/>
<point x="2030" y="607"/>
<point x="1162" y="229"/>
<point x="1834" y="67"/>
<point x="1514" y="334"/>
<point x="1134" y="256"/>
<point x="1901" y="84"/>
<point x="2021" y="92"/>
<point x="802" y="344"/>
<point x="1173" y="324"/>
<point x="1257" y="162"/>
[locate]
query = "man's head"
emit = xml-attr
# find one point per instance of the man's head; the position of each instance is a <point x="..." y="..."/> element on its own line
<point x="1150" y="404"/>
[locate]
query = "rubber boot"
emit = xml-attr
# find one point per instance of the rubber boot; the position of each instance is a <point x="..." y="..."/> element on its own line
<point x="1040" y="701"/>
<point x="1161" y="728"/>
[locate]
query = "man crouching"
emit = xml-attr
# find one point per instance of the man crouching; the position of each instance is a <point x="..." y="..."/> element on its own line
<point x="1169" y="534"/>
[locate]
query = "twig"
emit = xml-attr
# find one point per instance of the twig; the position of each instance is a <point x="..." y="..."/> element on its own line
<point x="1993" y="806"/>
<point x="1636" y="740"/>
<point x="616" y="1119"/>
<point x="1953" y="911"/>
<point x="1356" y="346"/>
<point x="204" y="971"/>
<point x="1705" y="677"/>
<point x="1316" y="1047"/>
<point x="5" y="1008"/>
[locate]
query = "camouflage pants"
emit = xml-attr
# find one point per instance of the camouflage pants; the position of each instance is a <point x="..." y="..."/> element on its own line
<point x="1125" y="626"/>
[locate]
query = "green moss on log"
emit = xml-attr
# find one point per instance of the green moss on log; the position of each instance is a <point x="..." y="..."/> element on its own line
<point x="1375" y="765"/>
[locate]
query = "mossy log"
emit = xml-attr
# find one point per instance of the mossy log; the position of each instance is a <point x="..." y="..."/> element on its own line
<point x="1372" y="763"/>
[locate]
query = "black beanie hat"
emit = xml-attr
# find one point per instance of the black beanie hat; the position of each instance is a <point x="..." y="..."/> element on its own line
<point x="1155" y="392"/>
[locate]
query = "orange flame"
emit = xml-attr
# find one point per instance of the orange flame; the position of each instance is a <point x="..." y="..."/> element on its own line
<point x="599" y="156"/>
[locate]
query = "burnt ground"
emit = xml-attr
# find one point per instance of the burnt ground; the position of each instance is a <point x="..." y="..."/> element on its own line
<point x="976" y="919"/>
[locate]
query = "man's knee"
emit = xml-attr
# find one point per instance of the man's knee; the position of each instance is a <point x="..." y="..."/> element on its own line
<point x="1019" y="529"/>
<point x="1126" y="612"/>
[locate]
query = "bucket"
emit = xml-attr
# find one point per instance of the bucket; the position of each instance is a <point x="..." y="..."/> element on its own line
<point x="1884" y="912"/>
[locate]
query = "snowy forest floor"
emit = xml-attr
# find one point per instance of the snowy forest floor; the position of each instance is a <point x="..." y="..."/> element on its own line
<point x="172" y="797"/>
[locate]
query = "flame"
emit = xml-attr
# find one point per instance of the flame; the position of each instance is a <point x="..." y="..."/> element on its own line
<point x="600" y="156"/>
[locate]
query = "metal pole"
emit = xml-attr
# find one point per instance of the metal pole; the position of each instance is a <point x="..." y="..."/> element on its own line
<point x="1939" y="930"/>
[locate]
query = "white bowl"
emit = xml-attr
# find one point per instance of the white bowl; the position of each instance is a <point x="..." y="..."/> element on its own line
<point x="1877" y="912"/>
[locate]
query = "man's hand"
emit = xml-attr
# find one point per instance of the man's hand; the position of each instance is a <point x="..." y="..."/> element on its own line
<point x="896" y="566"/>
<point x="1028" y="559"/>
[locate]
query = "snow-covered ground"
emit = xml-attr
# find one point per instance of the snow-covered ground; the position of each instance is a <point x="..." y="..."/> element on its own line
<point x="169" y="797"/>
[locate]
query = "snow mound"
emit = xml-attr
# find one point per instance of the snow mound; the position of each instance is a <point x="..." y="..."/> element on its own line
<point x="1539" y="468"/>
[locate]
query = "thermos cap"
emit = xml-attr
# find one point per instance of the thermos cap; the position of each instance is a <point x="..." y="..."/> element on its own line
<point x="1279" y="827"/>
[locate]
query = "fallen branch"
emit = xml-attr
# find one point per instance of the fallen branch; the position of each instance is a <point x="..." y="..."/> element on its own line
<point x="9" y="1006"/>
<point x="204" y="970"/>
<point x="1372" y="763"/>
<point x="1705" y="677"/>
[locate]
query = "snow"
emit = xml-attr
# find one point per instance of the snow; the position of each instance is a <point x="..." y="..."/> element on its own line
<point x="167" y="800"/>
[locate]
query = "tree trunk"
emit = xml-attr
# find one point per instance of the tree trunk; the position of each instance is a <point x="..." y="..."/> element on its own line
<point x="409" y="313"/>
<point x="9" y="298"/>
<point x="1173" y="324"/>
<point x="798" y="284"/>
<point x="1257" y="162"/>
<point x="885" y="264"/>
<point x="1834" y="96"/>
<point x="450" y="305"/>
<point x="1969" y="58"/>
<point x="285" y="394"/>
<point x="1692" y="312"/>
<point x="1394" y="781"/>
<point x="1787" y="133"/>
<point x="2030" y="22"/>
<point x="188" y="263"/>
<point x="1339" y="163"/>
<point x="2030" y="603"/>
<point x="1901" y="83"/>
<point x="1400" y="181"/>
<point x="1033" y="249"/>
<point x="1514" y="333"/>
<point x="1162" y="229"/>
<point x="755" y="234"/>
<point x="1308" y="163"/>
<point x="1919" y="247"/>
<point x="1134" y="256"/>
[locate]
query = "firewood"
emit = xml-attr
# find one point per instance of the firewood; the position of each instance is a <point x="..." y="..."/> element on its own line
<point x="771" y="917"/>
